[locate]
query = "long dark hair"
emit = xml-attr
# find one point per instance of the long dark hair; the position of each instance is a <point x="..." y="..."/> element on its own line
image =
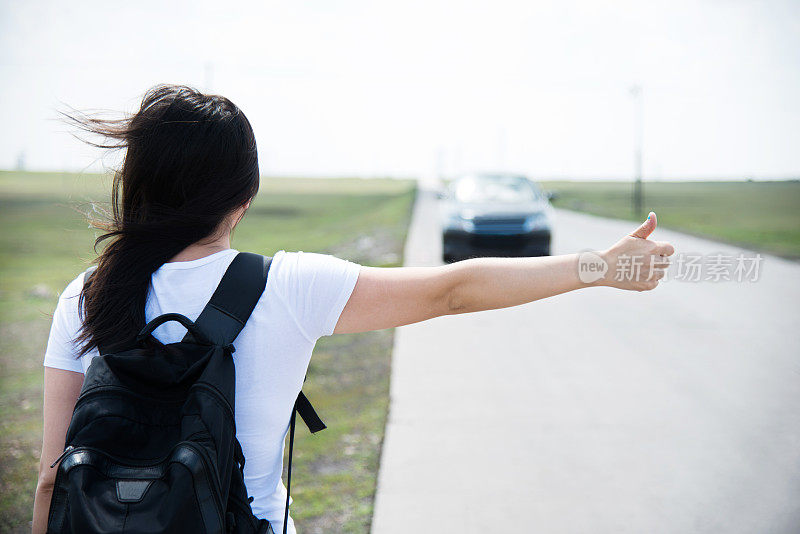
<point x="190" y="162"/>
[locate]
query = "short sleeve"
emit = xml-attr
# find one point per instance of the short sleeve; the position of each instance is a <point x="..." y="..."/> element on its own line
<point x="62" y="350"/>
<point x="315" y="288"/>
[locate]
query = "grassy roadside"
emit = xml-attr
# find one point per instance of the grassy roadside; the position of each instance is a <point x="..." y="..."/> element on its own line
<point x="760" y="215"/>
<point x="45" y="242"/>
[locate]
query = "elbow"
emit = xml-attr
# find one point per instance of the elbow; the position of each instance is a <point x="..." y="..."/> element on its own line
<point x="452" y="296"/>
<point x="47" y="479"/>
<point x="454" y="304"/>
<point x="45" y="485"/>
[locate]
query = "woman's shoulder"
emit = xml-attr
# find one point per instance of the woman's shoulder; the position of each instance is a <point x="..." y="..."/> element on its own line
<point x="314" y="287"/>
<point x="300" y="267"/>
<point x="74" y="288"/>
<point x="307" y="259"/>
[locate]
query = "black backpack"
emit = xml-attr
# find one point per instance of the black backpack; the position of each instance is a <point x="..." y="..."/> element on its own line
<point x="152" y="445"/>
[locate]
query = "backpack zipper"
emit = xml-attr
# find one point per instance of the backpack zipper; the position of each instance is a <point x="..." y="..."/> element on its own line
<point x="111" y="387"/>
<point x="61" y="456"/>
<point x="116" y="459"/>
<point x="99" y="389"/>
<point x="216" y="393"/>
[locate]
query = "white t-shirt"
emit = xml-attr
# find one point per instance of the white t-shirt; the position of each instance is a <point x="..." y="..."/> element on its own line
<point x="303" y="300"/>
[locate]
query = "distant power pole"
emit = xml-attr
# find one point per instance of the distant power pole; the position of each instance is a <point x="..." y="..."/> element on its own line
<point x="20" y="160"/>
<point x="638" y="194"/>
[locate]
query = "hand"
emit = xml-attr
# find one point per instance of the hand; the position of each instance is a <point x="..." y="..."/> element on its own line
<point x="635" y="262"/>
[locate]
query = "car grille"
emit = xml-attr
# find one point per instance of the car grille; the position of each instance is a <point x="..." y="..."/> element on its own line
<point x="499" y="226"/>
<point x="497" y="241"/>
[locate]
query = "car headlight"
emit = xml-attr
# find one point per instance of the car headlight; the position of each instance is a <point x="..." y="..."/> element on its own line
<point x="461" y="221"/>
<point x="537" y="221"/>
<point x="467" y="225"/>
<point x="464" y="224"/>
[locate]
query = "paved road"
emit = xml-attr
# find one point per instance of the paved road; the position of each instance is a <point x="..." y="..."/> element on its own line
<point x="599" y="411"/>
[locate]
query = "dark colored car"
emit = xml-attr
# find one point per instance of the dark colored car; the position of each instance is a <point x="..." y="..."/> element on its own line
<point x="495" y="215"/>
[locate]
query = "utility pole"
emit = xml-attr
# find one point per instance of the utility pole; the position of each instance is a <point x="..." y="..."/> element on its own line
<point x="638" y="194"/>
<point x="20" y="160"/>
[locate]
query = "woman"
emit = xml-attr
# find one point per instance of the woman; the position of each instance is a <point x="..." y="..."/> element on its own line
<point x="189" y="173"/>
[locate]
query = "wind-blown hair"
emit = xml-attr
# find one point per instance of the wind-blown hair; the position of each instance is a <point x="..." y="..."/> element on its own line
<point x="190" y="161"/>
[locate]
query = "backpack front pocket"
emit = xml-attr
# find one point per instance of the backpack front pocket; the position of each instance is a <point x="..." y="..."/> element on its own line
<point x="97" y="493"/>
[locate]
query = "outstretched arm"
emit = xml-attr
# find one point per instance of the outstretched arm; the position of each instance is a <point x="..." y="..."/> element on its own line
<point x="387" y="297"/>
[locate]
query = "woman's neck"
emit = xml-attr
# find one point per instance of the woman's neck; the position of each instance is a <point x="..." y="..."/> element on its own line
<point x="212" y="245"/>
<point x="198" y="250"/>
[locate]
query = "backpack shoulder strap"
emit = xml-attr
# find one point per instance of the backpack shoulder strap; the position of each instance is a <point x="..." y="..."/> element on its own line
<point x="230" y="306"/>
<point x="234" y="299"/>
<point x="224" y="317"/>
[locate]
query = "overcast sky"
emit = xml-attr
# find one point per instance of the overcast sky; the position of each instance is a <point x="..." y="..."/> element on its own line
<point x="400" y="88"/>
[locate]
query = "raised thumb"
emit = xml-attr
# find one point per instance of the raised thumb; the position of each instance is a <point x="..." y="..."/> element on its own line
<point x="647" y="227"/>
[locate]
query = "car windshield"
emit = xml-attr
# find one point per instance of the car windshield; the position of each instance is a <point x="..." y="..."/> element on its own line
<point x="506" y="189"/>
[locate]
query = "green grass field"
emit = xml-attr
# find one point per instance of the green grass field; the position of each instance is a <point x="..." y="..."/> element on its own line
<point x="760" y="215"/>
<point x="45" y="243"/>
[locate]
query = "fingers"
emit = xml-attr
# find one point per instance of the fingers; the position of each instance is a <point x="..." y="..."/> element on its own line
<point x="657" y="270"/>
<point x="659" y="260"/>
<point x="651" y="282"/>
<point x="664" y="249"/>
<point x="647" y="227"/>
<point x="651" y="285"/>
<point x="648" y="252"/>
<point x="658" y="274"/>
<point x="640" y="263"/>
<point x="661" y="263"/>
